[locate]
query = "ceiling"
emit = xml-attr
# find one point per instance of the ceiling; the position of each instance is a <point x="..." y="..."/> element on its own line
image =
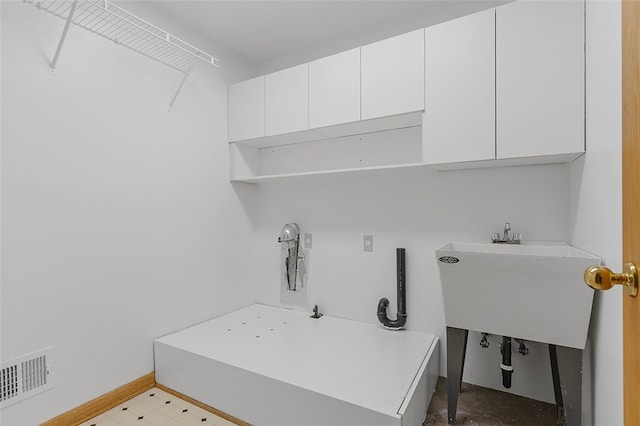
<point x="262" y="31"/>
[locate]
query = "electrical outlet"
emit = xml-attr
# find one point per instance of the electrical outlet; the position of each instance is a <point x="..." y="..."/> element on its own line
<point x="367" y="243"/>
<point x="308" y="240"/>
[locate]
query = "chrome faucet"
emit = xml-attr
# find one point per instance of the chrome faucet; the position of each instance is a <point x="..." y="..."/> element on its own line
<point x="514" y="238"/>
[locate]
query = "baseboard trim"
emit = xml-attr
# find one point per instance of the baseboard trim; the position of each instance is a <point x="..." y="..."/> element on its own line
<point x="203" y="406"/>
<point x="112" y="399"/>
<point x="104" y="403"/>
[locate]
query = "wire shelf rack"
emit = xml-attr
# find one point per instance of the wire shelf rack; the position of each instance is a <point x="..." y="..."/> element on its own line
<point x="116" y="24"/>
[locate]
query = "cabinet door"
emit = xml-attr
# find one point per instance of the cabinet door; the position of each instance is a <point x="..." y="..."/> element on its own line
<point x="459" y="119"/>
<point x="540" y="78"/>
<point x="246" y="110"/>
<point x="334" y="89"/>
<point x="287" y="100"/>
<point x="393" y="76"/>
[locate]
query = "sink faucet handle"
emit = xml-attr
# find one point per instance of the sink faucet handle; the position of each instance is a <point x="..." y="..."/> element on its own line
<point x="507" y="228"/>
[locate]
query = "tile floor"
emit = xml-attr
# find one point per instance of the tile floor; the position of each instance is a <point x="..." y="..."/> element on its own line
<point x="158" y="408"/>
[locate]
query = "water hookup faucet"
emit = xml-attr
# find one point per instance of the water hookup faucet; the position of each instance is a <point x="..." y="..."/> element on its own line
<point x="505" y="238"/>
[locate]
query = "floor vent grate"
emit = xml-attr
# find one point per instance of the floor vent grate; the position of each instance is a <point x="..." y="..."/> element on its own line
<point x="9" y="382"/>
<point x="23" y="377"/>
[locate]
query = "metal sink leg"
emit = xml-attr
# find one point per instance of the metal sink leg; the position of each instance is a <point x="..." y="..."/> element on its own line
<point x="456" y="350"/>
<point x="566" y="370"/>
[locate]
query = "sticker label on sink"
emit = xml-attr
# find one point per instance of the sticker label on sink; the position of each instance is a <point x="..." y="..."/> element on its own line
<point x="449" y="259"/>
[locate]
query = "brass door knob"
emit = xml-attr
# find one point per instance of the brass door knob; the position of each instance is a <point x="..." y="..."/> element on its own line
<point x="601" y="278"/>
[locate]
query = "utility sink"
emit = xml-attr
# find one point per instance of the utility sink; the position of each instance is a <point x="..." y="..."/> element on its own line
<point x="534" y="290"/>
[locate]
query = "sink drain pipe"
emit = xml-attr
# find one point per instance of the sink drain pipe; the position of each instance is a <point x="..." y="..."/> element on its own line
<point x="400" y="321"/>
<point x="505" y="365"/>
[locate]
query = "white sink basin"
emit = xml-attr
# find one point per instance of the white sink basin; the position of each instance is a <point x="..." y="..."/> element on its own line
<point x="533" y="290"/>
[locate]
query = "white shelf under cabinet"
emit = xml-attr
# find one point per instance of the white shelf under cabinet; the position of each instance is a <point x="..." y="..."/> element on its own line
<point x="393" y="168"/>
<point x="393" y="122"/>
<point x="509" y="162"/>
<point x="395" y="143"/>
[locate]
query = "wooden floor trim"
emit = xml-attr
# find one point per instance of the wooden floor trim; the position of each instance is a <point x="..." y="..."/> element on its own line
<point x="104" y="403"/>
<point x="112" y="399"/>
<point x="203" y="406"/>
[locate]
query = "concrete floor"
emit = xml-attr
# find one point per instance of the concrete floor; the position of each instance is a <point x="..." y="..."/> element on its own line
<point x="482" y="406"/>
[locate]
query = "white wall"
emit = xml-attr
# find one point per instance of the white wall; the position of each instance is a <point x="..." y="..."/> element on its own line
<point x="596" y="200"/>
<point x="420" y="212"/>
<point x="119" y="223"/>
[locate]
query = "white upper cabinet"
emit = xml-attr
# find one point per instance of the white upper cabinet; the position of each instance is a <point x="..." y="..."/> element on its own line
<point x="334" y="89"/>
<point x="393" y="76"/>
<point x="246" y="110"/>
<point x="540" y="78"/>
<point x="459" y="119"/>
<point x="287" y="100"/>
<point x="501" y="87"/>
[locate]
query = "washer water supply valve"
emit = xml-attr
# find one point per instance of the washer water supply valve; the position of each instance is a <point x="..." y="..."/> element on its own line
<point x="522" y="349"/>
<point x="316" y="313"/>
<point x="484" y="342"/>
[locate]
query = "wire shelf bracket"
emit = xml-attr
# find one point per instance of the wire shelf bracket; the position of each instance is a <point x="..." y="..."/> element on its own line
<point x="52" y="67"/>
<point x="107" y="20"/>
<point x="175" y="96"/>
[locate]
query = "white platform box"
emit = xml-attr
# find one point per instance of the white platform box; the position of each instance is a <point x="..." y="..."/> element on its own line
<point x="272" y="366"/>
